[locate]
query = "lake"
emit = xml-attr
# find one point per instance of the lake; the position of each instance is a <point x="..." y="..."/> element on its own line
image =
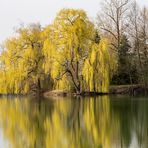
<point x="100" y="122"/>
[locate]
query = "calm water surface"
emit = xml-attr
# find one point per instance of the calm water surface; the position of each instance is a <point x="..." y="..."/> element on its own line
<point x="101" y="122"/>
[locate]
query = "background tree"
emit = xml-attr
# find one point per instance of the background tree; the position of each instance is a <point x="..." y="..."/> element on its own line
<point x="137" y="31"/>
<point x="125" y="18"/>
<point x="127" y="73"/>
<point x="112" y="22"/>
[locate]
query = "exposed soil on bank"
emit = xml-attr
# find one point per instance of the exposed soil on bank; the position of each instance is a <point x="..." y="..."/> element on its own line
<point x="60" y="93"/>
<point x="122" y="89"/>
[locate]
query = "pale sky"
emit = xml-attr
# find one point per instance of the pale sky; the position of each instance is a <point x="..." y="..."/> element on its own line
<point x="15" y="12"/>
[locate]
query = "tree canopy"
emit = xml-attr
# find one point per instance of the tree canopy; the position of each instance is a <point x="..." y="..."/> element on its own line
<point x="67" y="55"/>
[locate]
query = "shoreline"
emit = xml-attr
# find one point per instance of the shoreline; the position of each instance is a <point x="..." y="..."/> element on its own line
<point x="133" y="90"/>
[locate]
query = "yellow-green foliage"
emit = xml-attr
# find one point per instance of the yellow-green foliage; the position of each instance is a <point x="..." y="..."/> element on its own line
<point x="67" y="124"/>
<point x="73" y="35"/>
<point x="96" y="70"/>
<point x="21" y="61"/>
<point x="64" y="53"/>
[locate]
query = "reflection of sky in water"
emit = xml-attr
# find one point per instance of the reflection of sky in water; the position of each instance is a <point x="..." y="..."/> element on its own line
<point x="3" y="142"/>
<point x="134" y="141"/>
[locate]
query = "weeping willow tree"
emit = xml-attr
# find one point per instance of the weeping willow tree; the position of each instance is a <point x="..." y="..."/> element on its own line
<point x="66" y="55"/>
<point x="79" y="62"/>
<point x="72" y="37"/>
<point x="21" y="61"/>
<point x="97" y="68"/>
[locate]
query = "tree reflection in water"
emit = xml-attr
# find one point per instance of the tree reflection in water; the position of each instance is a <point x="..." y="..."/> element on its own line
<point x="100" y="122"/>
